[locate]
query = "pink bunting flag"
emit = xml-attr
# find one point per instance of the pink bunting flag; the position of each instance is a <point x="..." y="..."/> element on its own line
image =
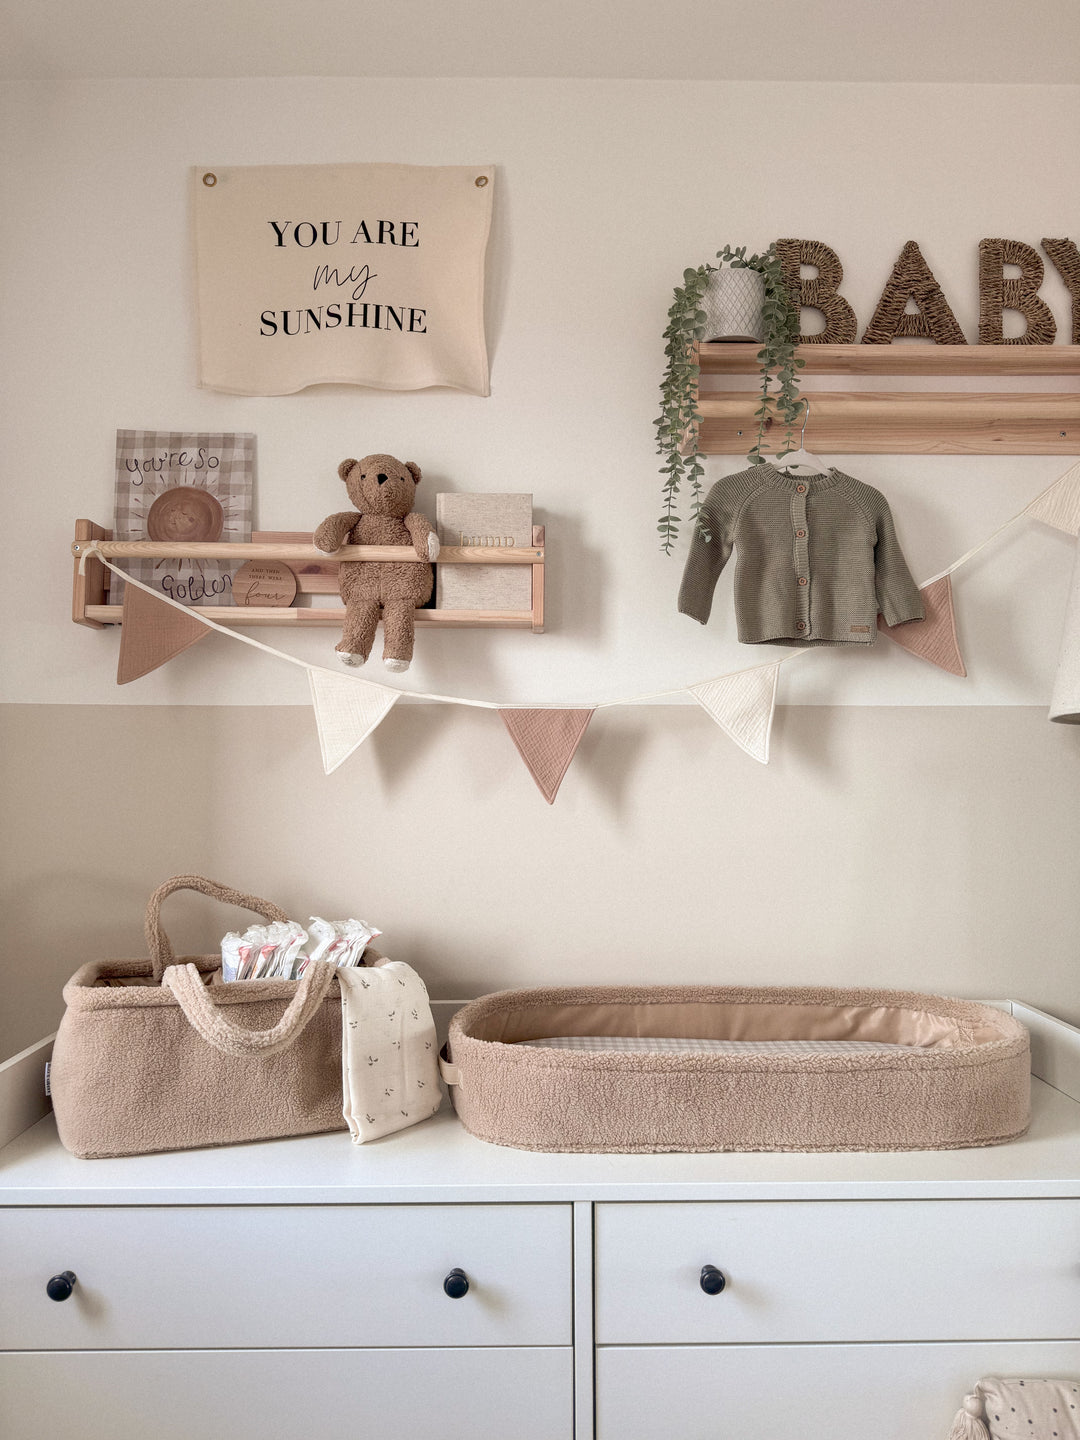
<point x="153" y="632"/>
<point x="547" y="741"/>
<point x="934" y="638"/>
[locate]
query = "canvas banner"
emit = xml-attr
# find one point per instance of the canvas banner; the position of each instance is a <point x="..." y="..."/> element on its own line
<point x="341" y="274"/>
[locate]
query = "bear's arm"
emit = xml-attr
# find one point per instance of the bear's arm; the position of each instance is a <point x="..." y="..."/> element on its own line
<point x="425" y="541"/>
<point x="332" y="532"/>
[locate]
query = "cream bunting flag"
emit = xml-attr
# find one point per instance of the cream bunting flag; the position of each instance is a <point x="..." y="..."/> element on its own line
<point x="1065" y="702"/>
<point x="1060" y="505"/>
<point x="547" y="741"/>
<point x="742" y="705"/>
<point x="152" y="632"/>
<point x="933" y="638"/>
<point x="346" y="712"/>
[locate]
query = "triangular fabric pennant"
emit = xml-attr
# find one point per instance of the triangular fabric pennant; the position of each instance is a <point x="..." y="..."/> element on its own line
<point x="152" y="632"/>
<point x="1060" y="505"/>
<point x="346" y="712"/>
<point x="933" y="638"/>
<point x="742" y="705"/>
<point x="547" y="741"/>
<point x="1065" y="701"/>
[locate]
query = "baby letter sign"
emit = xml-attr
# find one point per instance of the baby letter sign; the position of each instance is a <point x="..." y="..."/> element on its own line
<point x="341" y="274"/>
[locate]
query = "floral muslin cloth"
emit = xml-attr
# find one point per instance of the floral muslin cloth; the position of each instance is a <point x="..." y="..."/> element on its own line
<point x="389" y="1055"/>
<point x="1011" y="1409"/>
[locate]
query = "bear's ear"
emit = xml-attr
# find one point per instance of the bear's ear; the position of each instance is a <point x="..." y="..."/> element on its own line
<point x="414" y="470"/>
<point x="345" y="468"/>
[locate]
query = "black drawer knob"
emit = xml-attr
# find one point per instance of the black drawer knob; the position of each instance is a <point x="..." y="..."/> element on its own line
<point x="61" y="1286"/>
<point x="712" y="1280"/>
<point x="456" y="1284"/>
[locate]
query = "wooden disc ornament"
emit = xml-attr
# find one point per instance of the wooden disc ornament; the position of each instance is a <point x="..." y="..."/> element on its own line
<point x="264" y="582"/>
<point x="183" y="513"/>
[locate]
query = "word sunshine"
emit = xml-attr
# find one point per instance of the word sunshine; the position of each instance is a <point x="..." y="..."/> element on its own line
<point x="368" y="316"/>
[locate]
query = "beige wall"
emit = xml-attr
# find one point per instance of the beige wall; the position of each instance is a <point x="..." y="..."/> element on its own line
<point x="932" y="848"/>
<point x="912" y="828"/>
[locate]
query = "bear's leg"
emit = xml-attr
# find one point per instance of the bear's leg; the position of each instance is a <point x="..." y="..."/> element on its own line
<point x="398" y="616"/>
<point x="358" y="631"/>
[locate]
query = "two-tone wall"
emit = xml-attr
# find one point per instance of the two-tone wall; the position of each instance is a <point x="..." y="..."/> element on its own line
<point x="912" y="828"/>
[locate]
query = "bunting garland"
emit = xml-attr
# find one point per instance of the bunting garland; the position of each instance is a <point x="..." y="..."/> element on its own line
<point x="547" y="741"/>
<point x="934" y="637"/>
<point x="742" y="705"/>
<point x="346" y="713"/>
<point x="153" y="632"/>
<point x="1060" y="504"/>
<point x="348" y="709"/>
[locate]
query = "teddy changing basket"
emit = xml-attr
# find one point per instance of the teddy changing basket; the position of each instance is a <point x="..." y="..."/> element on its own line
<point x="682" y="1068"/>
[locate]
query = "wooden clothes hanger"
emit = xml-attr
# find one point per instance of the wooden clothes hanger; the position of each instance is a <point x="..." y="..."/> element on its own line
<point x="800" y="458"/>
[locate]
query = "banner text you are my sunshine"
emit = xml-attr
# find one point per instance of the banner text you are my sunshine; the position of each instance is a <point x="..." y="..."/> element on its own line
<point x="352" y="312"/>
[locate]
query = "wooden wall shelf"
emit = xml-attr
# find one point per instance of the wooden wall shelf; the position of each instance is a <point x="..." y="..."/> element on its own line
<point x="90" y="592"/>
<point x="903" y="422"/>
<point x="717" y="358"/>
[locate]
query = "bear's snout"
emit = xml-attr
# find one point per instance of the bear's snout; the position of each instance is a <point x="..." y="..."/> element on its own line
<point x="381" y="479"/>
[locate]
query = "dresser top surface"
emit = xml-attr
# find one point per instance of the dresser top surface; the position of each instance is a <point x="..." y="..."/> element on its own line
<point x="438" y="1161"/>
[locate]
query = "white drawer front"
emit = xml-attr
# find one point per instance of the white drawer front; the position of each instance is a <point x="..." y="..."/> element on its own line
<point x="287" y="1395"/>
<point x="812" y="1392"/>
<point x="286" y="1276"/>
<point x="844" y="1270"/>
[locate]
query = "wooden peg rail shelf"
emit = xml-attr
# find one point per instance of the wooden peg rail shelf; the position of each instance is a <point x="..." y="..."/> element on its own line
<point x="90" y="593"/>
<point x="904" y="422"/>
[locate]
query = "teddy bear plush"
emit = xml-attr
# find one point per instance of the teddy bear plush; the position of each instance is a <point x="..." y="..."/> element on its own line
<point x="382" y="489"/>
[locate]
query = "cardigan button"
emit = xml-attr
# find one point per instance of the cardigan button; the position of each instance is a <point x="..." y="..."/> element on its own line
<point x="800" y="489"/>
<point x="802" y="579"/>
<point x="800" y="534"/>
<point x="800" y="625"/>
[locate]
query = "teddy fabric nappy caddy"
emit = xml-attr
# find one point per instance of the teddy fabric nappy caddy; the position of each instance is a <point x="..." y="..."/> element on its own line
<point x="161" y="1054"/>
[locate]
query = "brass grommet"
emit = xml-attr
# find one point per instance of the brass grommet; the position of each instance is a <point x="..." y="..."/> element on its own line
<point x="209" y="178"/>
<point x="480" y="181"/>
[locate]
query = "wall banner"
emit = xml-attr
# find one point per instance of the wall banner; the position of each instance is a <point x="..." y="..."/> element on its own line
<point x="341" y="274"/>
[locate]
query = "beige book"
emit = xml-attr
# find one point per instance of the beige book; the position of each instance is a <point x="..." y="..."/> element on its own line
<point x="494" y="520"/>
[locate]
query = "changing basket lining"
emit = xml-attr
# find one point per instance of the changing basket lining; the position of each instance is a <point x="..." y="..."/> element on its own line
<point x="876" y="1024"/>
<point x="668" y="1044"/>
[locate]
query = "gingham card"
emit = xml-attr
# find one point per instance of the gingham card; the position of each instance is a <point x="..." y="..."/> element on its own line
<point x="177" y="486"/>
<point x="668" y="1044"/>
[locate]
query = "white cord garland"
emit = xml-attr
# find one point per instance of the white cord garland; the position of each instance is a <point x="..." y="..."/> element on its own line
<point x="92" y="550"/>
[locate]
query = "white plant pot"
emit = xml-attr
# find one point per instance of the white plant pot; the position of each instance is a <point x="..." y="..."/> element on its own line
<point x="733" y="301"/>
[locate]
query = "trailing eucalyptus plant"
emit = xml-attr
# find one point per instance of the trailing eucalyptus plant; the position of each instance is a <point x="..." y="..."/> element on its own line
<point x="677" y="424"/>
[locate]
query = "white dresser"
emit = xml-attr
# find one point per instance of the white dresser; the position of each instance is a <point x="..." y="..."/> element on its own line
<point x="430" y="1284"/>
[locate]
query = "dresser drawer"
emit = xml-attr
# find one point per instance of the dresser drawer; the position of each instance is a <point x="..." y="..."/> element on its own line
<point x="812" y="1392"/>
<point x="287" y="1395"/>
<point x="255" y="1276"/>
<point x="844" y="1270"/>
